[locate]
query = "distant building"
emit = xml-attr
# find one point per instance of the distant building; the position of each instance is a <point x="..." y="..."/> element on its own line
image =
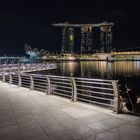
<point x="87" y="46"/>
<point x="67" y="40"/>
<point x="34" y="53"/>
<point x="106" y="38"/>
<point x="86" y="39"/>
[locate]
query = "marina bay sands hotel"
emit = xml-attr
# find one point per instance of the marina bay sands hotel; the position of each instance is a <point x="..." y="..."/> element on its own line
<point x="87" y="39"/>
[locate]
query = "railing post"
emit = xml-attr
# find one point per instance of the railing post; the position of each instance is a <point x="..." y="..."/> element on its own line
<point x="25" y="68"/>
<point x="48" y="85"/>
<point x="19" y="80"/>
<point x="10" y="79"/>
<point x="18" y="69"/>
<point x="74" y="90"/>
<point x="31" y="82"/>
<point x="10" y="69"/>
<point x="116" y="97"/>
<point x="3" y="77"/>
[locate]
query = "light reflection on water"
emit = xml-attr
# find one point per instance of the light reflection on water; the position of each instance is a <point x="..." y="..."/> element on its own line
<point x="98" y="69"/>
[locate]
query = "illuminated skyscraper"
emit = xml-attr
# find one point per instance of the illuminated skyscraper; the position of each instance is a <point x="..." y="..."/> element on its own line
<point x="86" y="39"/>
<point x="67" y="39"/>
<point x="106" y="38"/>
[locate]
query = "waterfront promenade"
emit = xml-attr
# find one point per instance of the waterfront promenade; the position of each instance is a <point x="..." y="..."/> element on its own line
<point x="33" y="115"/>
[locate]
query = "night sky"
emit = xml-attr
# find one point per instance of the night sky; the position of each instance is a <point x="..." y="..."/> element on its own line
<point x="30" y="22"/>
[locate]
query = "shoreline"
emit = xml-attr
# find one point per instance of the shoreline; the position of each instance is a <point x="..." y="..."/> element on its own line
<point x="109" y="57"/>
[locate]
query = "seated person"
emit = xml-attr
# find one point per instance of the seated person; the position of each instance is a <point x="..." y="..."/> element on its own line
<point x="138" y="104"/>
<point x="129" y="97"/>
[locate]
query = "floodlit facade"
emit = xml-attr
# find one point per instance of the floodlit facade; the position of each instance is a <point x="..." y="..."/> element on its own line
<point x="86" y="30"/>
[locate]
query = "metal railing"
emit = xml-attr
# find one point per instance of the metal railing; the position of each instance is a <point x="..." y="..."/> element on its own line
<point x="39" y="82"/>
<point x="8" y="68"/>
<point x="61" y="86"/>
<point x="96" y="91"/>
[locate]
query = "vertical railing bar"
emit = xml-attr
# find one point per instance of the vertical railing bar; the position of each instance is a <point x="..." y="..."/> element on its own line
<point x="10" y="79"/>
<point x="19" y="80"/>
<point x="48" y="85"/>
<point x="3" y="77"/>
<point x="31" y="82"/>
<point x="116" y="97"/>
<point x="74" y="90"/>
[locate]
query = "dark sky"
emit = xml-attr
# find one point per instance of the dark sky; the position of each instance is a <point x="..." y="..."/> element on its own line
<point x="30" y="22"/>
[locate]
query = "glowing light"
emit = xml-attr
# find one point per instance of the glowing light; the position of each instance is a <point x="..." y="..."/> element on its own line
<point x="71" y="37"/>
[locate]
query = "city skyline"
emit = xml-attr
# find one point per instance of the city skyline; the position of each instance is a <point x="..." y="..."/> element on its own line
<point x="30" y="22"/>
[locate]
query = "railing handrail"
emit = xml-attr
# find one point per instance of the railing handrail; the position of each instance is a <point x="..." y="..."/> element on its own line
<point x="25" y="67"/>
<point x="67" y="77"/>
<point x="100" y="80"/>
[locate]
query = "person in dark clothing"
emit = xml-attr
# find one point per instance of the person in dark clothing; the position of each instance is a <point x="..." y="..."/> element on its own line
<point x="129" y="97"/>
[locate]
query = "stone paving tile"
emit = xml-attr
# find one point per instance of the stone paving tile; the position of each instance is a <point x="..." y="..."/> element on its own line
<point x="7" y="120"/>
<point x="6" y="113"/>
<point x="38" y="109"/>
<point x="88" y="119"/>
<point x="100" y="126"/>
<point x="114" y="122"/>
<point x="129" y="132"/>
<point x="102" y="116"/>
<point x="77" y="113"/>
<point x="40" y="115"/>
<point x="20" y="112"/>
<point x="24" y="118"/>
<point x="20" y="107"/>
<point x="136" y="122"/>
<point x="56" y="112"/>
<point x="51" y="125"/>
<point x="92" y="137"/>
<point x="14" y="136"/>
<point x="125" y="116"/>
<point x="70" y="122"/>
<point x="39" y="138"/>
<point x="107" y="136"/>
<point x="52" y="108"/>
<point x="9" y="130"/>
<point x="29" y="115"/>
<point x="63" y="117"/>
<point x="81" y="131"/>
<point x="62" y="135"/>
<point x="107" y="124"/>
<point x="31" y="130"/>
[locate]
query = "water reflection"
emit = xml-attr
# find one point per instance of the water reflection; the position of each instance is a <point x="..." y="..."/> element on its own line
<point x="125" y="68"/>
<point x="98" y="69"/>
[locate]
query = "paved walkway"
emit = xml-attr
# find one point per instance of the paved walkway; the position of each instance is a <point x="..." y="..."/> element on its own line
<point x="31" y="115"/>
